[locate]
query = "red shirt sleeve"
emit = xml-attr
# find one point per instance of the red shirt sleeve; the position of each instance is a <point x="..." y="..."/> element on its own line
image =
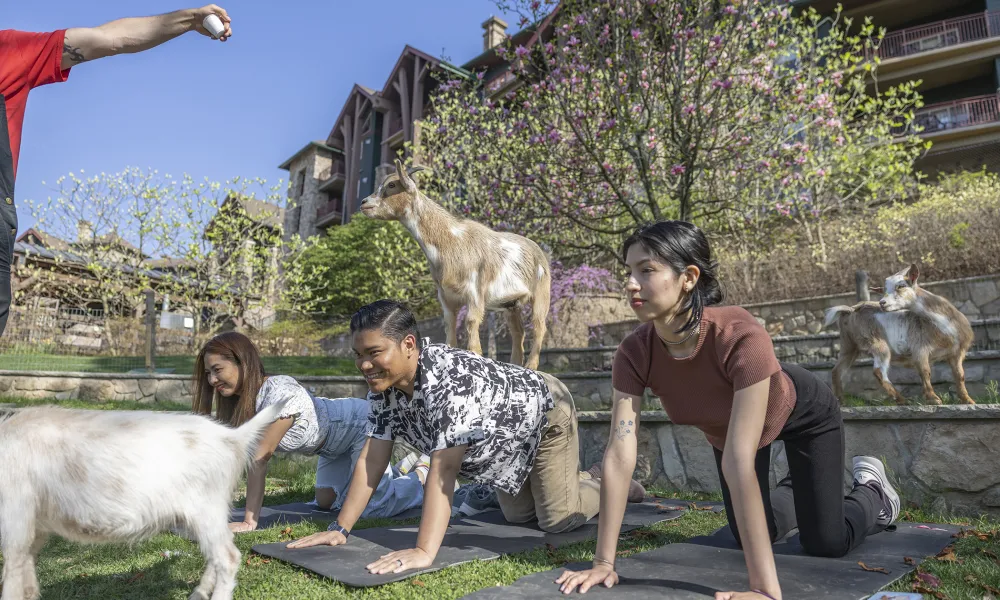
<point x="630" y="369"/>
<point x="29" y="60"/>
<point x="747" y="353"/>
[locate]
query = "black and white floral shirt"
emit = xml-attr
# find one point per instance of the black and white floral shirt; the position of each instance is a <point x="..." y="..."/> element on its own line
<point x="459" y="397"/>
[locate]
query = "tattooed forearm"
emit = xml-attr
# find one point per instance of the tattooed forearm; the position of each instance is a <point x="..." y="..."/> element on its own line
<point x="73" y="54"/>
<point x="623" y="429"/>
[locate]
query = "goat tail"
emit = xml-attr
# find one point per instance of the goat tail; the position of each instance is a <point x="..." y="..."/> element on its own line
<point x="833" y="313"/>
<point x="249" y="434"/>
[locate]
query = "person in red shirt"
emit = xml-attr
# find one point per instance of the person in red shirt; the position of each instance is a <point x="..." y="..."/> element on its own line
<point x="713" y="367"/>
<point x="29" y="60"/>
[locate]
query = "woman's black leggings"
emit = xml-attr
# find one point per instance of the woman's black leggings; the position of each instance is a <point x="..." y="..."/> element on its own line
<point x="812" y="496"/>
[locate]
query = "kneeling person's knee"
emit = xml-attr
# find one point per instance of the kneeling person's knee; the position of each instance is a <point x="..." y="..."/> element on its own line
<point x="512" y="515"/>
<point x="561" y="522"/>
<point x="325" y="497"/>
<point x="823" y="545"/>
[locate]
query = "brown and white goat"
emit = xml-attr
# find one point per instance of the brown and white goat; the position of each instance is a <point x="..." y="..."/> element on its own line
<point x="908" y="325"/>
<point x="471" y="264"/>
<point x="95" y="476"/>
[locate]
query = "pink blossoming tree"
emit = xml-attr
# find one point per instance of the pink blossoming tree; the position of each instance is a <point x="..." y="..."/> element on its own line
<point x="739" y="116"/>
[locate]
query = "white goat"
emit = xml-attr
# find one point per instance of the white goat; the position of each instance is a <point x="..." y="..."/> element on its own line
<point x="908" y="325"/>
<point x="96" y="476"/>
<point x="472" y="265"/>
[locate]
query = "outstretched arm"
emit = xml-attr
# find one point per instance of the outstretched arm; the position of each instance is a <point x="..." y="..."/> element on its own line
<point x="135" y="34"/>
<point x="746" y="423"/>
<point x="257" y="474"/>
<point x="616" y="474"/>
<point x="438" y="494"/>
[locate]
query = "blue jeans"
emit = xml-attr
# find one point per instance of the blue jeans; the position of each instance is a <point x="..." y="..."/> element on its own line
<point x="348" y="420"/>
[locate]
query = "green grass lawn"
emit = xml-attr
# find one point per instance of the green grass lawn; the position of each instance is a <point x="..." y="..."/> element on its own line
<point x="109" y="405"/>
<point x="183" y="365"/>
<point x="946" y="399"/>
<point x="169" y="567"/>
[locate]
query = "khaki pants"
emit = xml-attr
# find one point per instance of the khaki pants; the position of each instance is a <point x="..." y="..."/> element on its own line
<point x="557" y="493"/>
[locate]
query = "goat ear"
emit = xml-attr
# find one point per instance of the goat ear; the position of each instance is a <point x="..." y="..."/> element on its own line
<point x="404" y="177"/>
<point x="913" y="273"/>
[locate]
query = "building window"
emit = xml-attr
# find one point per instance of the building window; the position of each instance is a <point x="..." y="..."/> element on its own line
<point x="300" y="183"/>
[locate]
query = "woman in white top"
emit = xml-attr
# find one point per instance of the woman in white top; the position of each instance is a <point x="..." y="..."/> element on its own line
<point x="230" y="374"/>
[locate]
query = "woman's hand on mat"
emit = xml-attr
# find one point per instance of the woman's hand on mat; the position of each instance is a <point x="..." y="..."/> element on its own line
<point x="323" y="538"/>
<point x="242" y="526"/>
<point x="599" y="575"/>
<point x="401" y="560"/>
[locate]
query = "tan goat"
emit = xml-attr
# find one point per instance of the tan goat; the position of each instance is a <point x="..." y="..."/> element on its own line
<point x="471" y="264"/>
<point x="908" y="325"/>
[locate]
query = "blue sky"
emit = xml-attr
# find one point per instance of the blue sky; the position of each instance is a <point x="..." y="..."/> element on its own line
<point x="219" y="110"/>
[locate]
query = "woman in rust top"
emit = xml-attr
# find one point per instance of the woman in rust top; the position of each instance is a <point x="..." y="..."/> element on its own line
<point x="714" y="367"/>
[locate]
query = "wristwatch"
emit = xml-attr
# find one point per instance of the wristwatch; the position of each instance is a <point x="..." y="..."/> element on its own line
<point x="336" y="527"/>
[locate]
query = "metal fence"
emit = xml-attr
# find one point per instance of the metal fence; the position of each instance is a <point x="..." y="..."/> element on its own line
<point x="44" y="336"/>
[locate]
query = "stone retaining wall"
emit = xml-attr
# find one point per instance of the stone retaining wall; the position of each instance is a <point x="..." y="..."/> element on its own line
<point x="801" y="349"/>
<point x="976" y="297"/>
<point x="104" y="387"/>
<point x="944" y="457"/>
<point x="591" y="389"/>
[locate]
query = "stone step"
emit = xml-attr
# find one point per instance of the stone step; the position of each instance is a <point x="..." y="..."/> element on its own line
<point x="592" y="390"/>
<point x="801" y="349"/>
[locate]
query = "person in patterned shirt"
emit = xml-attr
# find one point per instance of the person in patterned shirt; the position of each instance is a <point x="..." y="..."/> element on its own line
<point x="491" y="422"/>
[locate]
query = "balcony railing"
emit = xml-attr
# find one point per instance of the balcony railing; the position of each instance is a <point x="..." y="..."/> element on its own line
<point x="337" y="168"/>
<point x="942" y="34"/>
<point x="959" y="113"/>
<point x="395" y="124"/>
<point x="331" y="207"/>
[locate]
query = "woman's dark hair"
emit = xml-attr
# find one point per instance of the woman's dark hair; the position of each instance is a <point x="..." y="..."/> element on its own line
<point x="238" y="349"/>
<point x="679" y="244"/>
<point x="389" y="317"/>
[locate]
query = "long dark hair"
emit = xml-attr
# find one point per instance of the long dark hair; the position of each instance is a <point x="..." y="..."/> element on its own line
<point x="389" y="317"/>
<point x="237" y="348"/>
<point x="679" y="244"/>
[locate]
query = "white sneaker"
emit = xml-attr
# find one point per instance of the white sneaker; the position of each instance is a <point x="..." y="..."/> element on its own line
<point x="408" y="462"/>
<point x="870" y="471"/>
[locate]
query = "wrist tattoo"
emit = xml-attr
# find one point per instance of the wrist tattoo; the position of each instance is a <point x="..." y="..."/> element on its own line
<point x="622" y="429"/>
<point x="73" y="54"/>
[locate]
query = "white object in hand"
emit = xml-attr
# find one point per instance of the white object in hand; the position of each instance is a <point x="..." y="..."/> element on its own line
<point x="214" y="25"/>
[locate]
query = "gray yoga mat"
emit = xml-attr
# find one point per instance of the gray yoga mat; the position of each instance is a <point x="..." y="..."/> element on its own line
<point x="288" y="514"/>
<point x="483" y="537"/>
<point x="708" y="564"/>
